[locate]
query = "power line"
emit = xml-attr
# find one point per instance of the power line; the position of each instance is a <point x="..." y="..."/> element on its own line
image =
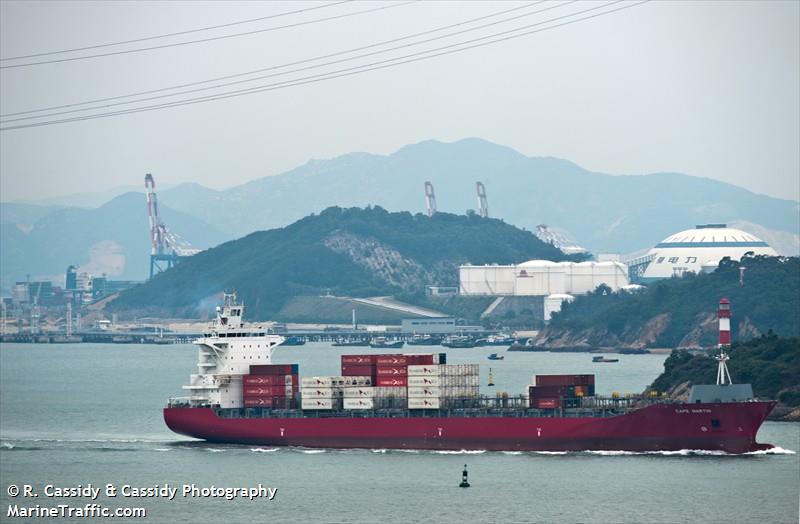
<point x="298" y="62"/>
<point x="5" y="119"/>
<point x="167" y="35"/>
<point x="332" y="75"/>
<point x="213" y="38"/>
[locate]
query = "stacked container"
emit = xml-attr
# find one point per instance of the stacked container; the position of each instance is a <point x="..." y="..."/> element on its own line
<point x="438" y="386"/>
<point x="325" y="392"/>
<point x="556" y="391"/>
<point x="272" y="386"/>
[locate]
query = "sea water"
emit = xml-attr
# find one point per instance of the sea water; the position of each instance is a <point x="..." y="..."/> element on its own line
<point x="90" y="414"/>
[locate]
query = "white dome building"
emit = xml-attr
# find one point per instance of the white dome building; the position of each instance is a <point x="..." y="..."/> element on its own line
<point x="700" y="249"/>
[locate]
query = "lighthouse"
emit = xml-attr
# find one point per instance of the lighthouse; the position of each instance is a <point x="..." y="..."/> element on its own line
<point x="724" y="315"/>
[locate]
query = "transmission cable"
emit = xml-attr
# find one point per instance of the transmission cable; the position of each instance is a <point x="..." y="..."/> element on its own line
<point x="4" y="118"/>
<point x="189" y="31"/>
<point x="314" y="59"/>
<point x="213" y="38"/>
<point x="336" y="74"/>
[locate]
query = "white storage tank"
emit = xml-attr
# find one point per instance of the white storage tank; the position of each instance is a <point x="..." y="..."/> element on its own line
<point x="553" y="303"/>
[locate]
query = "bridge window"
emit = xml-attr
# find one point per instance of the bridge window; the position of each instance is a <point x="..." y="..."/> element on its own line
<point x="659" y="260"/>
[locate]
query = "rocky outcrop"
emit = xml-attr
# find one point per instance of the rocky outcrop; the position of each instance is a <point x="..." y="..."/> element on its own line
<point x="382" y="260"/>
<point x="634" y="337"/>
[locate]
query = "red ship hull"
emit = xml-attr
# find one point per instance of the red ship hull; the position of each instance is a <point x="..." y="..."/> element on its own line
<point x="729" y="427"/>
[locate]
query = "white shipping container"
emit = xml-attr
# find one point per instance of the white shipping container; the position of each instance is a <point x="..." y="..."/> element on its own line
<point x="321" y="392"/>
<point x="358" y="403"/>
<point x="357" y="381"/>
<point x="421" y="370"/>
<point x="359" y="392"/>
<point x="316" y="403"/>
<point x="424" y="380"/>
<point x="423" y="403"/>
<point x="390" y="392"/>
<point x="424" y="392"/>
<point x="313" y="382"/>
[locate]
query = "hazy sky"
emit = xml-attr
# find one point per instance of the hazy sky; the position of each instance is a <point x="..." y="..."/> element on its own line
<point x="705" y="88"/>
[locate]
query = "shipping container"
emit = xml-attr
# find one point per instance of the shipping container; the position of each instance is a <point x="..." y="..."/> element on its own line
<point x="423" y="370"/>
<point x="424" y="403"/>
<point x="390" y="391"/>
<point x="258" y="402"/>
<point x="551" y="391"/>
<point x="359" y="392"/>
<point x="359" y="360"/>
<point x="350" y="370"/>
<point x="274" y="369"/>
<point x="424" y="380"/>
<point x="358" y="403"/>
<point x="358" y="381"/>
<point x="321" y="392"/>
<point x="317" y="403"/>
<point x="424" y="392"/>
<point x="325" y="382"/>
<point x="392" y="360"/>
<point x="267" y="391"/>
<point x="270" y="380"/>
<point x="564" y="380"/>
<point x="391" y="371"/>
<point x="391" y="381"/>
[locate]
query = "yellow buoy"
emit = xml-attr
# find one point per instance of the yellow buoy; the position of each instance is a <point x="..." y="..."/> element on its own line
<point x="491" y="378"/>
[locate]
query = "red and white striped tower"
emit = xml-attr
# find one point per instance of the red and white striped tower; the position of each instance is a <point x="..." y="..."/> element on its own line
<point x="724" y="315"/>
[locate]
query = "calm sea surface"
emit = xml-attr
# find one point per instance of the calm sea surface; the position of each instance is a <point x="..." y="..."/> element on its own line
<point x="79" y="414"/>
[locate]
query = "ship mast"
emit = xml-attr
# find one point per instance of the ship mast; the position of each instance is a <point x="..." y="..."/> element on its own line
<point x="724" y="315"/>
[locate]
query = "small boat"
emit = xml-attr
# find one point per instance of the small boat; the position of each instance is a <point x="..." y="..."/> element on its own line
<point x="351" y="343"/>
<point x="495" y="356"/>
<point x="458" y="342"/>
<point x="384" y="343"/>
<point x="496" y="340"/>
<point x="601" y="358"/>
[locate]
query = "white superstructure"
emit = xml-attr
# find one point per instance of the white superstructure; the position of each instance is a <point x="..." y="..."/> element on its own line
<point x="227" y="350"/>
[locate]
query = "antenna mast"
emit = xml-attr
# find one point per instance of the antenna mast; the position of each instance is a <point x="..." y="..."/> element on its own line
<point x="724" y="315"/>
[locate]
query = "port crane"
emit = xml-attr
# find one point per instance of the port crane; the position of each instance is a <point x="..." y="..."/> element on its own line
<point x="167" y="248"/>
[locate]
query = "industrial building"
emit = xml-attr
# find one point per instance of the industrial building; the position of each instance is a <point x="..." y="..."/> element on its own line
<point x="428" y="325"/>
<point x="541" y="278"/>
<point x="553" y="282"/>
<point x="700" y="249"/>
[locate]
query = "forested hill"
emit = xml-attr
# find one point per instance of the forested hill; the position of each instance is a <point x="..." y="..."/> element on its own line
<point x="344" y="252"/>
<point x="681" y="312"/>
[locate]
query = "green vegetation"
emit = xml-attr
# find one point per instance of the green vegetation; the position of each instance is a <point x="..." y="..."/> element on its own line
<point x="771" y="364"/>
<point x="334" y="310"/>
<point x="374" y="253"/>
<point x="768" y="300"/>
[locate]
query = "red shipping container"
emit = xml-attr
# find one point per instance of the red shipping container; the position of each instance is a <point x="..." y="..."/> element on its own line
<point x="267" y="391"/>
<point x="551" y="391"/>
<point x="258" y="402"/>
<point x="392" y="360"/>
<point x="270" y="380"/>
<point x="359" y="360"/>
<point x="565" y="380"/>
<point x="274" y="369"/>
<point x="420" y="360"/>
<point x="350" y="370"/>
<point x="386" y="382"/>
<point x="391" y="371"/>
<point x="547" y="403"/>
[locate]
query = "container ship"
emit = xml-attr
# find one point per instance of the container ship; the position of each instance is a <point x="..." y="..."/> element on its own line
<point x="419" y="401"/>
